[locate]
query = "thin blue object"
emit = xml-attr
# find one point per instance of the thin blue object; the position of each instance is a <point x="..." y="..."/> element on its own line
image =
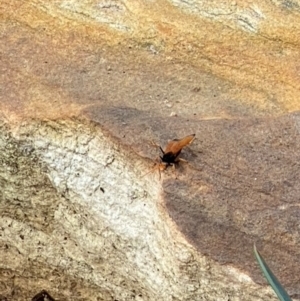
<point x="271" y="278"/>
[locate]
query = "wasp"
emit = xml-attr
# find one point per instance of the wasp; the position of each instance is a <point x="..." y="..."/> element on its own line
<point x="170" y="156"/>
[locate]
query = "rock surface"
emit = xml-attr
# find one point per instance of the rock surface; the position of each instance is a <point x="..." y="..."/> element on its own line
<point x="86" y="86"/>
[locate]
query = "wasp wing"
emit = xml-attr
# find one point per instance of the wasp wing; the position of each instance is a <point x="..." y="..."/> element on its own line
<point x="175" y="146"/>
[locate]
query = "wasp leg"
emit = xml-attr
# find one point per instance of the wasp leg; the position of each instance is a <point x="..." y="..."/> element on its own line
<point x="174" y="169"/>
<point x="153" y="143"/>
<point x="158" y="146"/>
<point x="155" y="166"/>
<point x="182" y="160"/>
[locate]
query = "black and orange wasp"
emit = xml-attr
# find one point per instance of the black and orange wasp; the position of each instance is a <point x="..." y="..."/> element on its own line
<point x="170" y="156"/>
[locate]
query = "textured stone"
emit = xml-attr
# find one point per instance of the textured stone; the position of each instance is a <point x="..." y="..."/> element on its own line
<point x="85" y="88"/>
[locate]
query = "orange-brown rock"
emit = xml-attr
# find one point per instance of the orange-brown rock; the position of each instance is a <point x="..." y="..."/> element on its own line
<point x="86" y="87"/>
